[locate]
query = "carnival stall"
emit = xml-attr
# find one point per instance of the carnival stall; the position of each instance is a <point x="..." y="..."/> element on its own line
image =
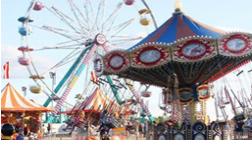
<point x="93" y="106"/>
<point x="20" y="111"/>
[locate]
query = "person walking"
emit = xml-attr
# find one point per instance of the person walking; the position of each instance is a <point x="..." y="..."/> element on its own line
<point x="48" y="128"/>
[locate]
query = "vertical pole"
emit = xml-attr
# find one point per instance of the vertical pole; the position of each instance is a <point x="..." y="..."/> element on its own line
<point x="124" y="121"/>
<point x="52" y="75"/>
<point x="24" y="90"/>
<point x="146" y="130"/>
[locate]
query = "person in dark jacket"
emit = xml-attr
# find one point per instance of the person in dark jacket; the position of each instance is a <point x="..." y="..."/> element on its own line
<point x="238" y="129"/>
<point x="48" y="128"/>
<point x="103" y="119"/>
<point x="7" y="130"/>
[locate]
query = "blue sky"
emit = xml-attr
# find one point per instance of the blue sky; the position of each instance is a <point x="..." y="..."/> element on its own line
<point x="224" y="14"/>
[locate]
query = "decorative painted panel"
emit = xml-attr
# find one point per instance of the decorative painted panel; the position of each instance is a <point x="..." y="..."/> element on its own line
<point x="149" y="56"/>
<point x="116" y="61"/>
<point x="161" y="131"/>
<point x="185" y="95"/>
<point x="203" y="92"/>
<point x="199" y="131"/>
<point x="235" y="44"/>
<point x="194" y="49"/>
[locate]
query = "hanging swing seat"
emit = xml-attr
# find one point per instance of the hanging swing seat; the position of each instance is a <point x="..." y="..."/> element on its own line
<point x="36" y="77"/>
<point x="24" y="49"/>
<point x="144" y="11"/>
<point x="129" y="2"/>
<point x="38" y="6"/>
<point x="22" y="31"/>
<point x="226" y="101"/>
<point x="146" y="94"/>
<point x="24" y="61"/>
<point x="174" y="119"/>
<point x="239" y="117"/>
<point x="23" y="19"/>
<point x="222" y="106"/>
<point x="36" y="90"/>
<point x="145" y="22"/>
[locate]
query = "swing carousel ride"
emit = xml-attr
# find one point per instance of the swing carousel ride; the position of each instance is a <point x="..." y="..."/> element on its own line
<point x="182" y="56"/>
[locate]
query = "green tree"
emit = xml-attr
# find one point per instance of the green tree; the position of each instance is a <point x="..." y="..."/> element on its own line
<point x="79" y="98"/>
<point x="159" y="119"/>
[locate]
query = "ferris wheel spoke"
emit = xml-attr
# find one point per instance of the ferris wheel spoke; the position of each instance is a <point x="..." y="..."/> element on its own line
<point x="87" y="28"/>
<point x="59" y="65"/>
<point x="64" y="60"/>
<point x="71" y="37"/>
<point x="112" y="22"/>
<point x="117" y="29"/>
<point x="85" y="3"/>
<point x="99" y="23"/>
<point x="61" y="47"/>
<point x="62" y="30"/>
<point x="95" y="25"/>
<point x="91" y="8"/>
<point x="63" y="17"/>
<point x="113" y="14"/>
<point x="65" y="21"/>
<point x="50" y="26"/>
<point x="84" y="30"/>
<point x="125" y="40"/>
<point x="29" y="10"/>
<point x="61" y="43"/>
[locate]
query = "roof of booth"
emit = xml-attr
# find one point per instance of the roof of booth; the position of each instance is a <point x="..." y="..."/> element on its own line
<point x="96" y="100"/>
<point x="11" y="100"/>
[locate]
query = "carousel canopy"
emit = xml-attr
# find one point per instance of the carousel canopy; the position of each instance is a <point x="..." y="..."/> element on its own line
<point x="11" y="100"/>
<point x="94" y="101"/>
<point x="195" y="52"/>
<point x="177" y="27"/>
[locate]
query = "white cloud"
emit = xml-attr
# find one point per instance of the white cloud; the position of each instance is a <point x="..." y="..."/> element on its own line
<point x="11" y="54"/>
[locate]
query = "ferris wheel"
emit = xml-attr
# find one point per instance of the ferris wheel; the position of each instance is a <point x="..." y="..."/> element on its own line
<point x="69" y="33"/>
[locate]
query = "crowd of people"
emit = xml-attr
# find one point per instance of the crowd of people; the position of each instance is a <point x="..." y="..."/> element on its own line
<point x="106" y="122"/>
<point x="11" y="132"/>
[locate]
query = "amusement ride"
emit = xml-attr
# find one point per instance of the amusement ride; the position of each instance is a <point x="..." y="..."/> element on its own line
<point x="182" y="56"/>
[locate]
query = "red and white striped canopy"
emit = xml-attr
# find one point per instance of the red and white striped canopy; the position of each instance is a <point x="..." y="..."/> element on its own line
<point x="96" y="101"/>
<point x="11" y="100"/>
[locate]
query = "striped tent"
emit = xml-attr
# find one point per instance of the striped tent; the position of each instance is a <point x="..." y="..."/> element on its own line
<point x="96" y="101"/>
<point x="11" y="100"/>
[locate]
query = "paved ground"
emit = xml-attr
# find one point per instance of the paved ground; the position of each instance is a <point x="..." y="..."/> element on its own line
<point x="68" y="138"/>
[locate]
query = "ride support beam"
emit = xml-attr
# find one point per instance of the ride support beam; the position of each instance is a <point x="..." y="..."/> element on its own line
<point x="62" y="82"/>
<point x="76" y="76"/>
<point x="139" y="100"/>
<point x="114" y="90"/>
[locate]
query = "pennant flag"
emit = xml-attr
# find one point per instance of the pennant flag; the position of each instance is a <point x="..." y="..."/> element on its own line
<point x="6" y="71"/>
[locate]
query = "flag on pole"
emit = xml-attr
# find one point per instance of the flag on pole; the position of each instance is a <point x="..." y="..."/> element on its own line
<point x="6" y="71"/>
